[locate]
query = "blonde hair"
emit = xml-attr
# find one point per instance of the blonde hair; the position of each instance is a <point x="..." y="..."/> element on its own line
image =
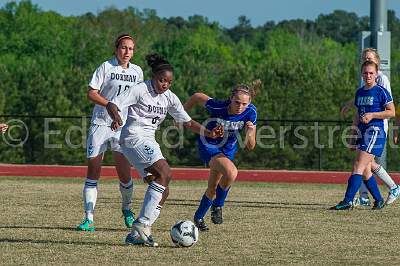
<point x="371" y="50"/>
<point x="250" y="90"/>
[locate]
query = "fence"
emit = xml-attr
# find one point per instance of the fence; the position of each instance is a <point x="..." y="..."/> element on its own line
<point x="281" y="144"/>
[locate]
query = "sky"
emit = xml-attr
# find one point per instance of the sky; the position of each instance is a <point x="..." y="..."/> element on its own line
<point x="225" y="12"/>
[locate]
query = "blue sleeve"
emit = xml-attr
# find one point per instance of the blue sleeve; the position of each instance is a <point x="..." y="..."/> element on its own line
<point x="252" y="117"/>
<point x="214" y="106"/>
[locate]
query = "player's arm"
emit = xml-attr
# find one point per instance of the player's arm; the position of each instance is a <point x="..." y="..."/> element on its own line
<point x="3" y="128"/>
<point x="196" y="127"/>
<point x="388" y="113"/>
<point x="396" y="126"/>
<point x="250" y="139"/>
<point x="346" y="107"/>
<point x="94" y="96"/>
<point x="197" y="98"/>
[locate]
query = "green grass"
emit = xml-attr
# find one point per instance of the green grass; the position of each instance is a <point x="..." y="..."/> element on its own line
<point x="264" y="224"/>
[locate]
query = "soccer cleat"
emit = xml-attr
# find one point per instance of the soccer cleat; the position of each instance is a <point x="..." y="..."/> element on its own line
<point x="342" y="206"/>
<point x="365" y="202"/>
<point x="133" y="239"/>
<point x="129" y="217"/>
<point x="201" y="224"/>
<point x="144" y="233"/>
<point x="216" y="215"/>
<point x="86" y="225"/>
<point x="379" y="204"/>
<point x="393" y="195"/>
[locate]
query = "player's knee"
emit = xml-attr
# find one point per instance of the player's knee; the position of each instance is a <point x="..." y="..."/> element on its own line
<point x="232" y="173"/>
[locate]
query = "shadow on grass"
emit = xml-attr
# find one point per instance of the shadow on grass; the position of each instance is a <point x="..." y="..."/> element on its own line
<point x="81" y="243"/>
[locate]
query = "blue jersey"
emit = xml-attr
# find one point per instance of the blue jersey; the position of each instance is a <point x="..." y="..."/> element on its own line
<point x="232" y="124"/>
<point x="372" y="100"/>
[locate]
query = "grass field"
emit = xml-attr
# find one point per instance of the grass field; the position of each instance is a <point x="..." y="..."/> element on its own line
<point x="264" y="224"/>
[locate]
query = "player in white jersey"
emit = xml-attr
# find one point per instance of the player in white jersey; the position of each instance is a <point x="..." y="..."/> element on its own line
<point x="111" y="79"/>
<point x="370" y="54"/>
<point x="149" y="102"/>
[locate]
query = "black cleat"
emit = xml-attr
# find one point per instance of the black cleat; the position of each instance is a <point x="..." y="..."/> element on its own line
<point x="201" y="224"/>
<point x="379" y="204"/>
<point x="216" y="215"/>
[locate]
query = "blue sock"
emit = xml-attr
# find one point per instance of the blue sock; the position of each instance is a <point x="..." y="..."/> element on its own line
<point x="373" y="188"/>
<point x="205" y="204"/>
<point x="221" y="195"/>
<point x="353" y="184"/>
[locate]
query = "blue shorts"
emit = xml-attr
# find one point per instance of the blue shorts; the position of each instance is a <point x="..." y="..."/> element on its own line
<point x="207" y="151"/>
<point x="372" y="140"/>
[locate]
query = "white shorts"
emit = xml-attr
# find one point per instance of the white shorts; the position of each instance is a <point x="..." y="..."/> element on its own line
<point x="142" y="154"/>
<point x="98" y="139"/>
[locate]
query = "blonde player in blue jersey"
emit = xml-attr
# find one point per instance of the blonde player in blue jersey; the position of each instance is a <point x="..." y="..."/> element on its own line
<point x="370" y="54"/>
<point x="234" y="115"/>
<point x="374" y="104"/>
<point x="149" y="103"/>
<point x="110" y="79"/>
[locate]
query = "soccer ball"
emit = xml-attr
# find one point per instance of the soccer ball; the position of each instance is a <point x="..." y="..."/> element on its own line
<point x="184" y="234"/>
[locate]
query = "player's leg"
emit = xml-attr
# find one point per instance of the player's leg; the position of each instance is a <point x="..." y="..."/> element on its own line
<point x="229" y="172"/>
<point x="207" y="199"/>
<point x="362" y="160"/>
<point x="153" y="196"/>
<point x="96" y="146"/>
<point x="394" y="189"/>
<point x="372" y="186"/>
<point x="126" y="186"/>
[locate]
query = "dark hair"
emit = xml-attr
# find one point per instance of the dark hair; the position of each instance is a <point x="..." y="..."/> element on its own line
<point x="121" y="37"/>
<point x="250" y="90"/>
<point x="369" y="63"/>
<point x="158" y="63"/>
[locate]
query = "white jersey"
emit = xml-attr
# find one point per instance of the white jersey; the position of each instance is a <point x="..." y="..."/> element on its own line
<point x="147" y="110"/>
<point x="383" y="81"/>
<point x="111" y="80"/>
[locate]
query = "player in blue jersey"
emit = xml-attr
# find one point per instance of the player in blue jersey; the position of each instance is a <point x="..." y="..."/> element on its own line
<point x="374" y="104"/>
<point x="233" y="115"/>
<point x="378" y="167"/>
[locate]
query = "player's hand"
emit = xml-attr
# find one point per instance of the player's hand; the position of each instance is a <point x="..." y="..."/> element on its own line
<point x="115" y="125"/>
<point x="366" y="118"/>
<point x="250" y="126"/>
<point x="3" y="128"/>
<point x="113" y="111"/>
<point x="217" y="132"/>
<point x="344" y="110"/>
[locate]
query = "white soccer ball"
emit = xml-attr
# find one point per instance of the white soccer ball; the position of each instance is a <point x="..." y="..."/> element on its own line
<point x="184" y="233"/>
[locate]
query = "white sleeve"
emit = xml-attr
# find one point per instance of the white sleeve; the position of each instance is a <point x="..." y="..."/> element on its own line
<point x="98" y="77"/>
<point x="129" y="97"/>
<point x="384" y="82"/>
<point x="141" y="79"/>
<point x="176" y="110"/>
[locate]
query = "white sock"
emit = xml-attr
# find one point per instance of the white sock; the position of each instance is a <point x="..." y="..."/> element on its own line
<point x="151" y="200"/>
<point x="363" y="191"/>
<point x="89" y="197"/>
<point x="384" y="176"/>
<point x="126" y="190"/>
<point x="155" y="215"/>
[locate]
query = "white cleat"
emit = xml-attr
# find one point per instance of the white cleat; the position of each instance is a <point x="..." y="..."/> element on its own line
<point x="394" y="193"/>
<point x="144" y="233"/>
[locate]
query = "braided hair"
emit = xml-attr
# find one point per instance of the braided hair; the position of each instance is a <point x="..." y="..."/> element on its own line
<point x="158" y="63"/>
<point x="250" y="90"/>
